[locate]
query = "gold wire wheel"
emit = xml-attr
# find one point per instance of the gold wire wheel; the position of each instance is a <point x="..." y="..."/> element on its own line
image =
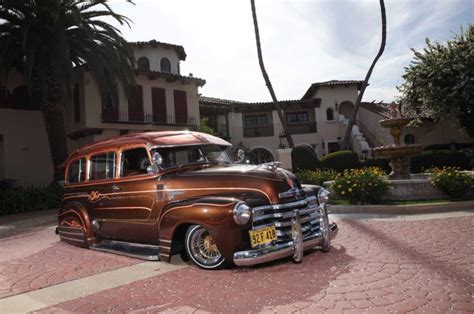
<point x="202" y="249"/>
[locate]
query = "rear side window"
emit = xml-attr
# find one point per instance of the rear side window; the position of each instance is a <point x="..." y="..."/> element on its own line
<point x="134" y="162"/>
<point x="77" y="171"/>
<point x="102" y="166"/>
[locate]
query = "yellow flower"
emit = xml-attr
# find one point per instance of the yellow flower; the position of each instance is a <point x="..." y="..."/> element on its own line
<point x="350" y="190"/>
<point x="355" y="184"/>
<point x="343" y="192"/>
<point x="370" y="183"/>
<point x="339" y="186"/>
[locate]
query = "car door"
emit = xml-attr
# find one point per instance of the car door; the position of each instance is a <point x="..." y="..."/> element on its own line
<point x="132" y="215"/>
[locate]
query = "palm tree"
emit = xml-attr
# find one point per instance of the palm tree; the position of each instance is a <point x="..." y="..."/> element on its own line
<point x="345" y="142"/>
<point x="47" y="39"/>
<point x="289" y="139"/>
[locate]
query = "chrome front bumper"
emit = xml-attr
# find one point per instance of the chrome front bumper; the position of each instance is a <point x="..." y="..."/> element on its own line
<point x="290" y="248"/>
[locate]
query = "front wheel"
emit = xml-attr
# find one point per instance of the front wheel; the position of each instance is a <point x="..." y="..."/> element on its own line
<point x="202" y="249"/>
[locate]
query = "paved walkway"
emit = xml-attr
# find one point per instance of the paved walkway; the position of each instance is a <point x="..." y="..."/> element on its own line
<point x="382" y="264"/>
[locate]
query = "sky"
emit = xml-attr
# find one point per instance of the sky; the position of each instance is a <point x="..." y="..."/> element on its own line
<point x="303" y="41"/>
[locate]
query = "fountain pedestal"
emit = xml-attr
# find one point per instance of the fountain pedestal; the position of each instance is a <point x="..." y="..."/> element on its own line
<point x="398" y="154"/>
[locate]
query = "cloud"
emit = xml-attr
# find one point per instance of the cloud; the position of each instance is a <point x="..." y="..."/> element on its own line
<point x="303" y="41"/>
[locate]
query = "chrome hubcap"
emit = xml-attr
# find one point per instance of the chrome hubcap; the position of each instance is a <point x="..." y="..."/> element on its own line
<point x="203" y="248"/>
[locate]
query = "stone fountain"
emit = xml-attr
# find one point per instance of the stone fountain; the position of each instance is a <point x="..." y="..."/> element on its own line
<point x="398" y="154"/>
<point x="403" y="185"/>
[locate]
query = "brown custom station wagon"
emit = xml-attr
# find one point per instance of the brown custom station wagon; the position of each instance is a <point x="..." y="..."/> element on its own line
<point x="152" y="195"/>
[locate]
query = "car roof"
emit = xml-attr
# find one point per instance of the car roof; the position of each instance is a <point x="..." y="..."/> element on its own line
<point x="154" y="139"/>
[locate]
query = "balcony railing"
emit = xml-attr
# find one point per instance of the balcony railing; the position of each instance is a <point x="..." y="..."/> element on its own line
<point x="146" y="118"/>
<point x="303" y="128"/>
<point x="258" y="131"/>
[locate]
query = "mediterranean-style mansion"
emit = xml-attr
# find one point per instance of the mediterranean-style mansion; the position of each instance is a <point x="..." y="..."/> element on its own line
<point x="167" y="100"/>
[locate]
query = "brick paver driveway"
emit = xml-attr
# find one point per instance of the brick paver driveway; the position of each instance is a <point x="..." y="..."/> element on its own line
<point x="379" y="266"/>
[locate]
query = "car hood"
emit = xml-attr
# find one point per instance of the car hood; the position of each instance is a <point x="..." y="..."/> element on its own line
<point x="233" y="180"/>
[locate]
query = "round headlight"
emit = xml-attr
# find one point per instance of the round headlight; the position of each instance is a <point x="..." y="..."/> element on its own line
<point x="323" y="196"/>
<point x="242" y="213"/>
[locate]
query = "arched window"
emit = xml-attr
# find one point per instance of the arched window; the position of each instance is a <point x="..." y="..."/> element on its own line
<point x="165" y="65"/>
<point x="144" y="64"/>
<point x="330" y="114"/>
<point x="259" y="156"/>
<point x="345" y="108"/>
<point x="409" y="139"/>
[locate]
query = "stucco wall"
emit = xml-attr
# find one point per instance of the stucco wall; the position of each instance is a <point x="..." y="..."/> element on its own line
<point x="154" y="55"/>
<point x="428" y="133"/>
<point x="327" y="131"/>
<point x="27" y="157"/>
<point x="93" y="105"/>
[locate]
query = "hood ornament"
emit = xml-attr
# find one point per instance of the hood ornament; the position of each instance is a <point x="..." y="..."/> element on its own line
<point x="270" y="165"/>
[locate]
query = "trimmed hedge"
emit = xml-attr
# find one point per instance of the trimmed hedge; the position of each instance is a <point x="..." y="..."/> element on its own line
<point x="304" y="158"/>
<point x="341" y="160"/>
<point x="439" y="159"/>
<point x="22" y="200"/>
<point x="452" y="146"/>
<point x="316" y="177"/>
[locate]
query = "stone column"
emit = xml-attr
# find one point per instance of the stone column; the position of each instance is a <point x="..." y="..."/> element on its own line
<point x="284" y="156"/>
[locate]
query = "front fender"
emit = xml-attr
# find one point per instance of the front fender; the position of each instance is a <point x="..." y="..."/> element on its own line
<point x="214" y="214"/>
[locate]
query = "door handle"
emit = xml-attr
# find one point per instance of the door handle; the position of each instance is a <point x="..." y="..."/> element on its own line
<point x="116" y="188"/>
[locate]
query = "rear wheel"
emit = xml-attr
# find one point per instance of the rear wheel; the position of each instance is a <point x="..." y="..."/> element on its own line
<point x="202" y="249"/>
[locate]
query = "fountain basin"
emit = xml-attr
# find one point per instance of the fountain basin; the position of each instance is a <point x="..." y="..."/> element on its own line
<point x="397" y="151"/>
<point x="415" y="188"/>
<point x="394" y="123"/>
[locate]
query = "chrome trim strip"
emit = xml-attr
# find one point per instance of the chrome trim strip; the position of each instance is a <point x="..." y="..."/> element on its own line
<point x="70" y="233"/>
<point x="302" y="211"/>
<point x="130" y="244"/>
<point x="165" y="241"/>
<point x="72" y="239"/>
<point x="281" y="206"/>
<point x="291" y="192"/>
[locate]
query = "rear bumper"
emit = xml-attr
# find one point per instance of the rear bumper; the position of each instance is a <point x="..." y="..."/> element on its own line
<point x="278" y="251"/>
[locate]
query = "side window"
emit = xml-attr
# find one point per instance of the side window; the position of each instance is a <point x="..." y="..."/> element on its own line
<point x="134" y="162"/>
<point x="102" y="166"/>
<point x="77" y="171"/>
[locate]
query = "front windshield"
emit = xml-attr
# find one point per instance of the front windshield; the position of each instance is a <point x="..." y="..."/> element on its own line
<point x="183" y="155"/>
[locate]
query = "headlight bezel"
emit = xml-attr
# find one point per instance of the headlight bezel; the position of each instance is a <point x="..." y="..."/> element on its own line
<point x="323" y="196"/>
<point x="242" y="213"/>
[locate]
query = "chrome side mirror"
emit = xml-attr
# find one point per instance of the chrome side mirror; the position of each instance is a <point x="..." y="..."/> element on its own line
<point x="152" y="169"/>
<point x="156" y="159"/>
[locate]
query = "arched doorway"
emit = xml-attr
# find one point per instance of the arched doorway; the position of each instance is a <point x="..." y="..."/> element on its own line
<point x="260" y="155"/>
<point x="345" y="108"/>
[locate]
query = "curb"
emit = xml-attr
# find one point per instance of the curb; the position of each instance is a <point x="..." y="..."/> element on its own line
<point x="402" y="209"/>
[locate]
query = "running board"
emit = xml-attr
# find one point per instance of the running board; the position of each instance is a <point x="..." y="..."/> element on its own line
<point x="142" y="251"/>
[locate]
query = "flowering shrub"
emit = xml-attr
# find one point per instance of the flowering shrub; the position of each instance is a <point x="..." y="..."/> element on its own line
<point x="316" y="176"/>
<point x="360" y="186"/>
<point x="451" y="181"/>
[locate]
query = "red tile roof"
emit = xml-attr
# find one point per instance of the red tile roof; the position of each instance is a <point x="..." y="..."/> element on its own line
<point x="226" y="104"/>
<point x="309" y="93"/>
<point x="154" y="43"/>
<point x="171" y="77"/>
<point x="380" y="108"/>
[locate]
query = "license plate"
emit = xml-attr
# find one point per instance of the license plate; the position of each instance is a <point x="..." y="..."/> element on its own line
<point x="262" y="236"/>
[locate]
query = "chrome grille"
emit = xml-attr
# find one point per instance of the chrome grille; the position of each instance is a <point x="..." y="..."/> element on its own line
<point x="281" y="215"/>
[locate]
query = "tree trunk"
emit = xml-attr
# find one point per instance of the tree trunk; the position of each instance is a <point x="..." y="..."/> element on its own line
<point x="53" y="117"/>
<point x="347" y="136"/>
<point x="289" y="139"/>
